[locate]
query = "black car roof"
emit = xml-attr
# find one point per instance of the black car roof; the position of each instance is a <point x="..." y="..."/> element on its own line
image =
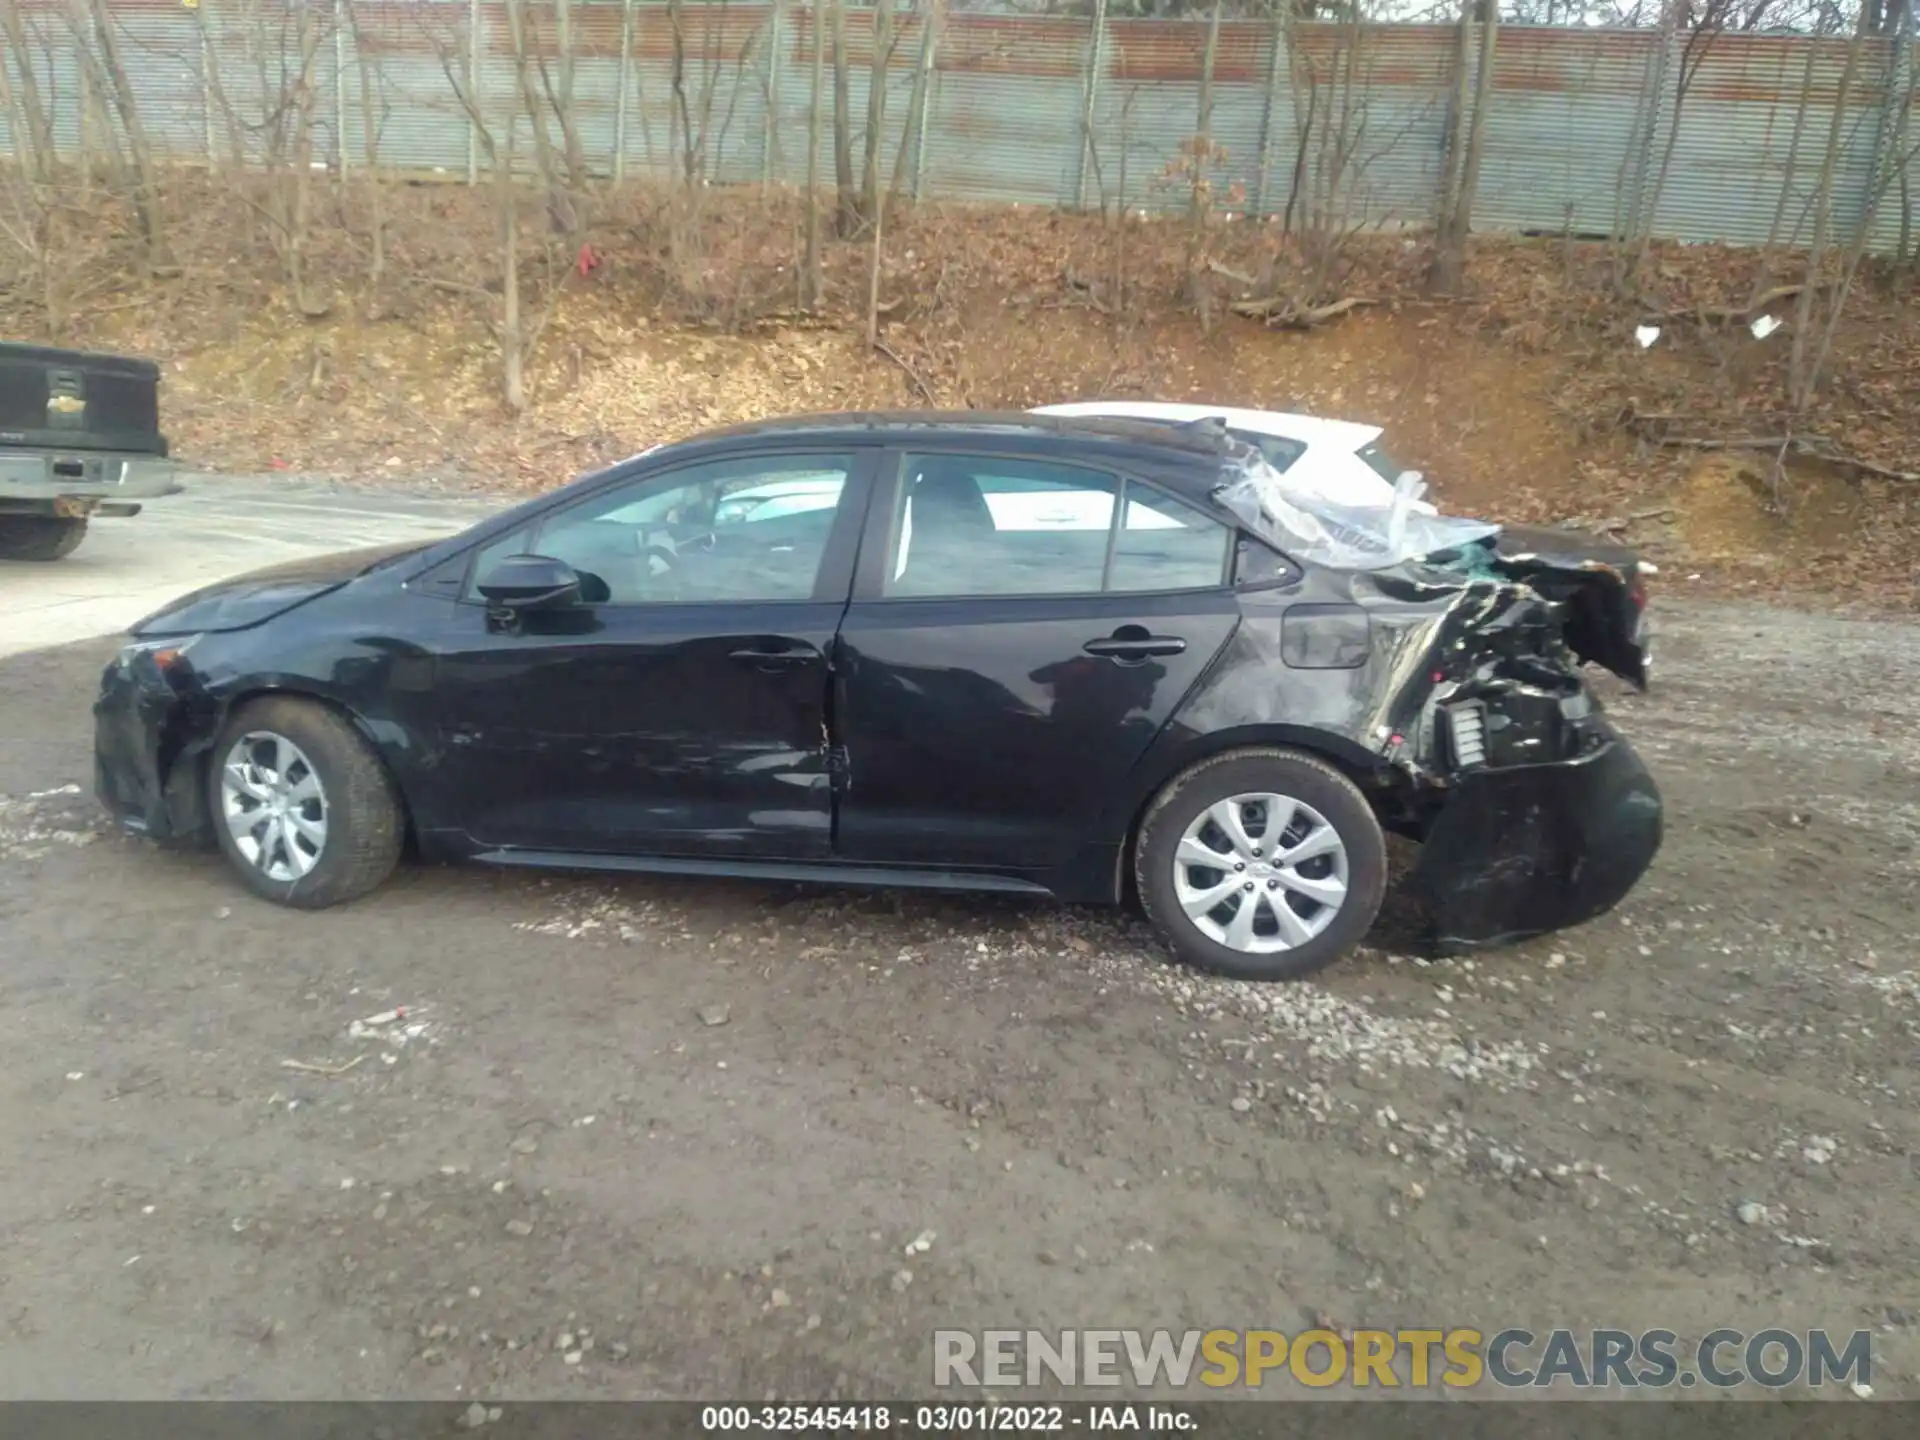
<point x="1177" y="447"/>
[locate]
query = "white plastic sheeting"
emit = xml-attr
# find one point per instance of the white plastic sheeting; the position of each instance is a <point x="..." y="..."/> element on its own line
<point x="1314" y="527"/>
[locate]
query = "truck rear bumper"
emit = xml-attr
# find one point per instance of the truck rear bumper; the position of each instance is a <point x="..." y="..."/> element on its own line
<point x="77" y="482"/>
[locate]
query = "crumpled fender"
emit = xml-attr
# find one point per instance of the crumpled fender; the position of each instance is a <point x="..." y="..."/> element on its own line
<point x="1601" y="585"/>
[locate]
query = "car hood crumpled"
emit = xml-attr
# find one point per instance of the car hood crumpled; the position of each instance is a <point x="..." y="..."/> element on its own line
<point x="259" y="595"/>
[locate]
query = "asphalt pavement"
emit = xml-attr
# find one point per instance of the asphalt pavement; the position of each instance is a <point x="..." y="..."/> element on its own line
<point x="216" y="527"/>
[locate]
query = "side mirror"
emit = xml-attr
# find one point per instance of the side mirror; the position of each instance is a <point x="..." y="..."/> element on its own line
<point x="525" y="583"/>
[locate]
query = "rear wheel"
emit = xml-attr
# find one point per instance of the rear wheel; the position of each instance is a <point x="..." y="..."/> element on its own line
<point x="302" y="807"/>
<point x="1261" y="864"/>
<point x="40" y="537"/>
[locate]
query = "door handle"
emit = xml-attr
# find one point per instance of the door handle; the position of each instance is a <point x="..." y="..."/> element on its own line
<point x="1131" y="644"/>
<point x="768" y="659"/>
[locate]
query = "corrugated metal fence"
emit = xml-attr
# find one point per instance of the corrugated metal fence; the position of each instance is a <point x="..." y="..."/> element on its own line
<point x="1055" y="111"/>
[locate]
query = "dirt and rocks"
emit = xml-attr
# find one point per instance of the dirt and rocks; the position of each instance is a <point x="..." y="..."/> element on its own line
<point x="487" y="1135"/>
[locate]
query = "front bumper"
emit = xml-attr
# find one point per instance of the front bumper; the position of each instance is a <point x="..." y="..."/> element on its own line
<point x="1524" y="850"/>
<point x="149" y="733"/>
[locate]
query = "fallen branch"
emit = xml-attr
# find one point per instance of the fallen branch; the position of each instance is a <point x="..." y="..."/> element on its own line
<point x="911" y="374"/>
<point x="788" y="318"/>
<point x="1627" y="522"/>
<point x="1812" y="447"/>
<point x="308" y="1068"/>
<point x="1234" y="275"/>
<point x="1085" y="290"/>
<point x="1281" y="312"/>
<point x="1725" y="314"/>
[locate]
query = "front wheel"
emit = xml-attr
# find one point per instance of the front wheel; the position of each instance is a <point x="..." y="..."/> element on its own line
<point x="1261" y="864"/>
<point x="302" y="807"/>
<point x="40" y="537"/>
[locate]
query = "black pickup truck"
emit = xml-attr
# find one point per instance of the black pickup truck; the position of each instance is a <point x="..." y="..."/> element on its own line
<point x="79" y="437"/>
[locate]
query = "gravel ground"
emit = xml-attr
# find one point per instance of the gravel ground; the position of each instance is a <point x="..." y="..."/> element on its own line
<point x="660" y="1137"/>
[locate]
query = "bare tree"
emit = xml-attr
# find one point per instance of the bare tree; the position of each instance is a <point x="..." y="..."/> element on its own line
<point x="810" y="272"/>
<point x="28" y="117"/>
<point x="881" y="41"/>
<point x="271" y="139"/>
<point x="563" y="215"/>
<point x="1466" y="142"/>
<point x="1702" y="22"/>
<point x="299" y="212"/>
<point x="561" y="99"/>
<point x="516" y="333"/>
<point x="933" y="19"/>
<point x="1810" y="340"/>
<point x="93" y="28"/>
<point x="1201" y="157"/>
<point x="1334" y="120"/>
<point x="847" y="208"/>
<point x="370" y="112"/>
<point x="1763" y="275"/>
<point x="30" y="196"/>
<point x="682" y="124"/>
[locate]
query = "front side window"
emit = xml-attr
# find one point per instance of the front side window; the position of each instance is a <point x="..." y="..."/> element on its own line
<point x="992" y="525"/>
<point x="748" y="530"/>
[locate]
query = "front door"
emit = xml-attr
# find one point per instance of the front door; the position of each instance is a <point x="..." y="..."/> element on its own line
<point x="681" y="707"/>
<point x="1019" y="633"/>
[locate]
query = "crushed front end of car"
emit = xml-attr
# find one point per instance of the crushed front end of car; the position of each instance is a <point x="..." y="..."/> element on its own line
<point x="1449" y="652"/>
<point x="152" y="717"/>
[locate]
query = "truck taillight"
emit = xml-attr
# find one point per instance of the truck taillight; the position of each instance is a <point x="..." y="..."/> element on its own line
<point x="1637" y="584"/>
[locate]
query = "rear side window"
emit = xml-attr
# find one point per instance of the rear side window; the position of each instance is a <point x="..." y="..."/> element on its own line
<point x="997" y="526"/>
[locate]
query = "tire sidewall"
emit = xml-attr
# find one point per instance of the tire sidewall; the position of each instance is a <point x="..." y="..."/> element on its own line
<point x="1303" y="778"/>
<point x="40" y="538"/>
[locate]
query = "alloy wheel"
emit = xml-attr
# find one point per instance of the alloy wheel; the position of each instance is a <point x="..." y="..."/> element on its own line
<point x="1260" y="872"/>
<point x="274" y="805"/>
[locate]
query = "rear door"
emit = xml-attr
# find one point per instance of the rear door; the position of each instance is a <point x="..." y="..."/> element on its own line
<point x="1020" y="630"/>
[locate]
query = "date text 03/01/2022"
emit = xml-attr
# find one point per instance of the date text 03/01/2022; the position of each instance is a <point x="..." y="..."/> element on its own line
<point x="944" y="1419"/>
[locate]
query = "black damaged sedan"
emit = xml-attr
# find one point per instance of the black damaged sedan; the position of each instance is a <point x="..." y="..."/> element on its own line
<point x="1095" y="660"/>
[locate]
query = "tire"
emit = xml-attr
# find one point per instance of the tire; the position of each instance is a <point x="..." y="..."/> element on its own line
<point x="40" y="537"/>
<point x="1326" y="804"/>
<point x="359" y="812"/>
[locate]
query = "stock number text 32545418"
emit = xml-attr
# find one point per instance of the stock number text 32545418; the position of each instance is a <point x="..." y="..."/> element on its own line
<point x="923" y="1419"/>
